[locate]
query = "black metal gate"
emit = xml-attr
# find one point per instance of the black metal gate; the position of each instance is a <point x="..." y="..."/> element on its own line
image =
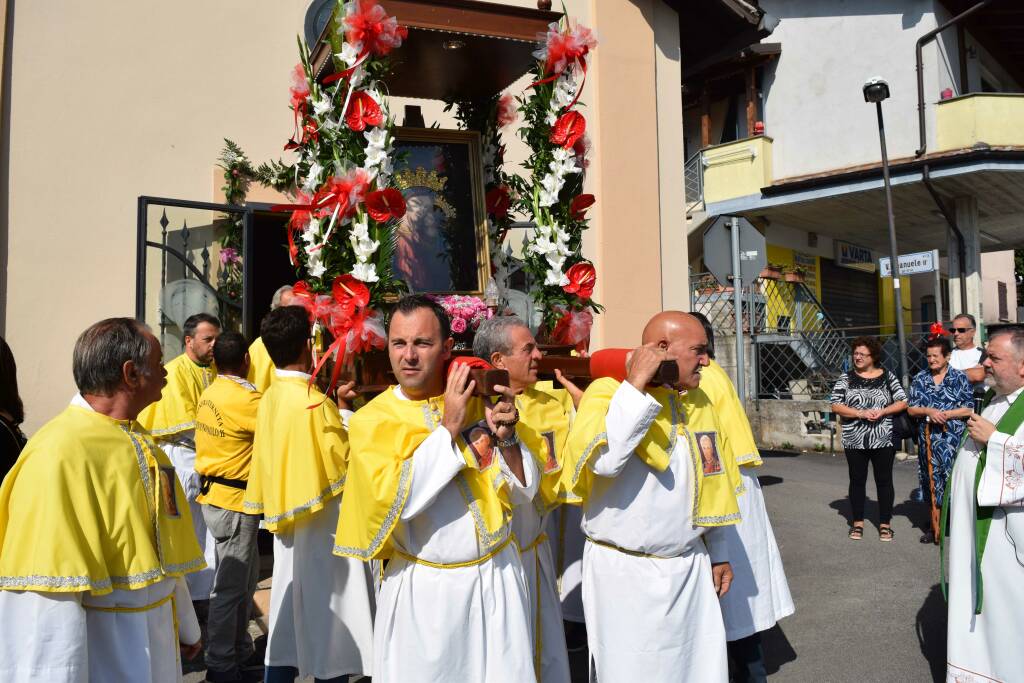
<point x="201" y="262"/>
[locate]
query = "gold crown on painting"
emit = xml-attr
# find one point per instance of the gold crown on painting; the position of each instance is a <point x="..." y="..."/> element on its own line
<point x="407" y="179"/>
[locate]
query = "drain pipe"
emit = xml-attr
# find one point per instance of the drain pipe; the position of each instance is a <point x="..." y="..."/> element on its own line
<point x="926" y="170"/>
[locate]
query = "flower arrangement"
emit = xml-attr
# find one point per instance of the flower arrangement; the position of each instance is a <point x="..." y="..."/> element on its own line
<point x="238" y="172"/>
<point x="465" y="312"/>
<point x="563" y="281"/>
<point x="346" y="206"/>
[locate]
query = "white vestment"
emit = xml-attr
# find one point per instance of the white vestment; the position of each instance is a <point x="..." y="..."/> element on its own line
<point x="321" y="605"/>
<point x="649" y="619"/>
<point x="76" y="638"/>
<point x="567" y="540"/>
<point x="986" y="647"/>
<point x="547" y="631"/>
<point x="451" y="624"/>
<point x="182" y="454"/>
<point x="759" y="595"/>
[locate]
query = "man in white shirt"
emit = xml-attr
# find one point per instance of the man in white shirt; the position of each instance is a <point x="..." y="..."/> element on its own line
<point x="985" y="499"/>
<point x="967" y="355"/>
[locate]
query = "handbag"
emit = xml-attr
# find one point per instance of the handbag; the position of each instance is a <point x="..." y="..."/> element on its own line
<point x="903" y="426"/>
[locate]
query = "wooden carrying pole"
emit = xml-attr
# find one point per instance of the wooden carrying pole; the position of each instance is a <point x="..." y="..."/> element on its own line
<point x="931" y="482"/>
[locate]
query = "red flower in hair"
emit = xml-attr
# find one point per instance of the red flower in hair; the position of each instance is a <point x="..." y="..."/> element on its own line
<point x="568" y="129"/>
<point x="579" y="205"/>
<point x="937" y="330"/>
<point x="368" y="24"/>
<point x="383" y="205"/>
<point x="363" y="111"/>
<point x="498" y="201"/>
<point x="582" y="278"/>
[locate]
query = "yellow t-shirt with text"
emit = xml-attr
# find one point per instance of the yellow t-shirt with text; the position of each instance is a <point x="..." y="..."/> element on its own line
<point x="225" y="428"/>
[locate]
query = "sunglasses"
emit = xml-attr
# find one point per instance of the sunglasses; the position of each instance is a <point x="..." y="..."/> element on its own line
<point x="960" y="330"/>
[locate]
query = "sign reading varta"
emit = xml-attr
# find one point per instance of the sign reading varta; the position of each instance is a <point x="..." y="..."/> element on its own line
<point x="848" y="254"/>
<point x="910" y="264"/>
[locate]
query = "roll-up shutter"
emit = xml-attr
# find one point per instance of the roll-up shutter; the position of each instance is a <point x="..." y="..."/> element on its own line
<point x="850" y="296"/>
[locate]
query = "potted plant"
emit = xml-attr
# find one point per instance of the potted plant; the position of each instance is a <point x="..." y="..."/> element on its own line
<point x="708" y="284"/>
<point x="795" y="274"/>
<point x="772" y="271"/>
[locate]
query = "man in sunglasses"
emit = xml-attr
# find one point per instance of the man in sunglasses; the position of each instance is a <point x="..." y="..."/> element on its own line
<point x="967" y="355"/>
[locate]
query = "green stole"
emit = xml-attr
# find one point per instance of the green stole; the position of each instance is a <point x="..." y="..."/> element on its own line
<point x="1008" y="424"/>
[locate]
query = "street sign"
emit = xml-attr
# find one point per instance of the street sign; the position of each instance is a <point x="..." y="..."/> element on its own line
<point x="910" y="264"/>
<point x="718" y="250"/>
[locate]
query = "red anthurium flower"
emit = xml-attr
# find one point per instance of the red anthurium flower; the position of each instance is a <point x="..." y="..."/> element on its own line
<point x="579" y="205"/>
<point x="498" y="201"/>
<point x="582" y="278"/>
<point x="383" y="205"/>
<point x="370" y="25"/>
<point x="363" y="111"/>
<point x="350" y="294"/>
<point x="569" y="128"/>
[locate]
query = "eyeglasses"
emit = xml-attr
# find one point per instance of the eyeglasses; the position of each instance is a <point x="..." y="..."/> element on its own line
<point x="960" y="330"/>
<point x="862" y="355"/>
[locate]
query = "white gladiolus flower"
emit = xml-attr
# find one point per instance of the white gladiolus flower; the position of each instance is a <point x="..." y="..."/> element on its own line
<point x="315" y="266"/>
<point x="322" y="105"/>
<point x="557" y="278"/>
<point x="550" y="118"/>
<point x="376" y="137"/>
<point x="552" y="183"/>
<point x="365" y="272"/>
<point x="350" y="53"/>
<point x="375" y="156"/>
<point x="543" y="246"/>
<point x="361" y="229"/>
<point x="363" y="248"/>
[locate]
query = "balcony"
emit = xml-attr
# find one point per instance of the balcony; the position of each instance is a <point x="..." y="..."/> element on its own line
<point x="737" y="169"/>
<point x="991" y="119"/>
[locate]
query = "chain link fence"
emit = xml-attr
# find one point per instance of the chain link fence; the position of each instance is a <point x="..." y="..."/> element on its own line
<point x="798" y="350"/>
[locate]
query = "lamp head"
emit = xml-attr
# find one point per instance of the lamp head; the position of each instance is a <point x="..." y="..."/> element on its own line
<point x="876" y="90"/>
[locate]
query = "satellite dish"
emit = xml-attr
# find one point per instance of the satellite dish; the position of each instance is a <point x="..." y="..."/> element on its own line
<point x="317" y="15"/>
<point x="183" y="298"/>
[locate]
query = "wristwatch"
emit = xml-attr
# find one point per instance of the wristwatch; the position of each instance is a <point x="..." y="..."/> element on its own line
<point x="509" y="442"/>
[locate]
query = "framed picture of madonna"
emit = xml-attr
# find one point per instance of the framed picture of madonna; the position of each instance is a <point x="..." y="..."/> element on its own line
<point x="441" y="242"/>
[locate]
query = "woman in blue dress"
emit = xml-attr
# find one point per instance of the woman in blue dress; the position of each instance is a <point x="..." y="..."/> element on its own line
<point x="941" y="398"/>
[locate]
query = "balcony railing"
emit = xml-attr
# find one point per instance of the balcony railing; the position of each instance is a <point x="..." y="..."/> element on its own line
<point x="737" y="169"/>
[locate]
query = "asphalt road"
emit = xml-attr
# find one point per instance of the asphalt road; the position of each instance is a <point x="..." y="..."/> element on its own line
<point x="865" y="611"/>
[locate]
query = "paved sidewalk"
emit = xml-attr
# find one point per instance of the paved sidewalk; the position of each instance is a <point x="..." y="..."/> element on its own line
<point x="865" y="611"/>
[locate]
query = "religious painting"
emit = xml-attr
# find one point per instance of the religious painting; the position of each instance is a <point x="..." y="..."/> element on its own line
<point x="168" y="492"/>
<point x="707" y="446"/>
<point x="481" y="443"/>
<point x="441" y="242"/>
<point x="551" y="461"/>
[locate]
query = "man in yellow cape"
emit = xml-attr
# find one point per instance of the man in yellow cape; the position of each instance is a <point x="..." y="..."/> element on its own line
<point x="172" y="421"/>
<point x="428" y="489"/>
<point x="657" y="491"/>
<point x="95" y="534"/>
<point x="261" y="368"/>
<point x="321" y="606"/>
<point x="507" y="343"/>
<point x="759" y="596"/>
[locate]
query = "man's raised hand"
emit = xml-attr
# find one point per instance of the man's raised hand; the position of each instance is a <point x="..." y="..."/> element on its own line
<point x="456" y="397"/>
<point x="643" y="364"/>
<point x="502" y="416"/>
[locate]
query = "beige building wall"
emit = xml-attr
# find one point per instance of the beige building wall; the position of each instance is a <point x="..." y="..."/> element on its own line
<point x="997" y="267"/>
<point x="110" y="100"/>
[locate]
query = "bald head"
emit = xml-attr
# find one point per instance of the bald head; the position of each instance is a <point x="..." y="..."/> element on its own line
<point x="671" y="324"/>
<point x="683" y="338"/>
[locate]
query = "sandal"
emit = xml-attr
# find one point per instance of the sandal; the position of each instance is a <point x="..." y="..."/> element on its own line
<point x="856" y="533"/>
<point x="885" y="533"/>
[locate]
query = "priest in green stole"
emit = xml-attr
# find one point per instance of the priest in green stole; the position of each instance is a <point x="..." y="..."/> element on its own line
<point x="985" y="509"/>
<point x="95" y="531"/>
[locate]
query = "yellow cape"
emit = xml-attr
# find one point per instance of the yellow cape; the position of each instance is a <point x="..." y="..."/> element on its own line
<point x="736" y="435"/>
<point x="261" y="368"/>
<point x="175" y="412"/>
<point x="92" y="505"/>
<point x="544" y="428"/>
<point x="715" y="500"/>
<point x="384" y="434"/>
<point x="299" y="455"/>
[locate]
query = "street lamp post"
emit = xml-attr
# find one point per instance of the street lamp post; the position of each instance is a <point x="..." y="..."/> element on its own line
<point x="875" y="91"/>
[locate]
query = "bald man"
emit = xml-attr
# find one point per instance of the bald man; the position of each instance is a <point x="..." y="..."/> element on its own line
<point x="652" y="568"/>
